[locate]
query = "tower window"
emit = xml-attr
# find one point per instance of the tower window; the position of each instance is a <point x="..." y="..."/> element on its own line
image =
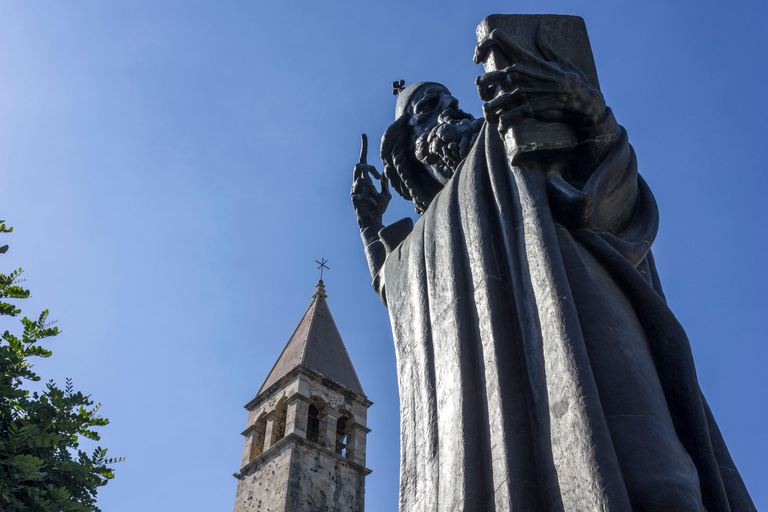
<point x="279" y="425"/>
<point x="257" y="441"/>
<point x="314" y="421"/>
<point x="313" y="424"/>
<point x="341" y="433"/>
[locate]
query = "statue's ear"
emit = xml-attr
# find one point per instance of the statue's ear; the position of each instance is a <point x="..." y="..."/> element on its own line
<point x="392" y="136"/>
<point x="393" y="154"/>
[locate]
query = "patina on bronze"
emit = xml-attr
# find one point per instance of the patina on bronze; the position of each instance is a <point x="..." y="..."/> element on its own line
<point x="539" y="365"/>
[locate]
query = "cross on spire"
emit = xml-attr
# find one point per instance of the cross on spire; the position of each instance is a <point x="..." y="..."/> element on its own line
<point x="322" y="266"/>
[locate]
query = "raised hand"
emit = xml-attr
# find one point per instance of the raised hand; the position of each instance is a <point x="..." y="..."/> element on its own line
<point x="369" y="203"/>
<point x="549" y="90"/>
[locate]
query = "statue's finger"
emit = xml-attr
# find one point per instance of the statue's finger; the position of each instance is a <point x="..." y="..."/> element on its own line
<point x="363" y="149"/>
<point x="497" y="106"/>
<point x="514" y="51"/>
<point x="362" y="171"/>
<point x="546" y="49"/>
<point x="516" y="72"/>
<point x="500" y="40"/>
<point x="516" y="98"/>
<point x="491" y="78"/>
<point x="364" y="158"/>
<point x="488" y="84"/>
<point x="481" y="49"/>
<point x="363" y="185"/>
<point x="544" y="46"/>
<point x="362" y="200"/>
<point x="359" y="186"/>
<point x="357" y="173"/>
<point x="385" y="187"/>
<point x="509" y="117"/>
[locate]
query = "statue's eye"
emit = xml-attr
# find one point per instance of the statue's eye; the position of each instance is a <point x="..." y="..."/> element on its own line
<point x="426" y="105"/>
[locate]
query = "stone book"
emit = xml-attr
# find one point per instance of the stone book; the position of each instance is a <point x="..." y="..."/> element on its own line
<point x="568" y="36"/>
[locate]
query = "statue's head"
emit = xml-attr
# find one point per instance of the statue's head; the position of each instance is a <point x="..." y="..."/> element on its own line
<point x="428" y="140"/>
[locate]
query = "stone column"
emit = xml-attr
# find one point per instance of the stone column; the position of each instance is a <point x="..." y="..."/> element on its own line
<point x="257" y="440"/>
<point x="249" y="434"/>
<point x="269" y="432"/>
<point x="356" y="441"/>
<point x="327" y="438"/>
<point x="275" y="428"/>
<point x="297" y="412"/>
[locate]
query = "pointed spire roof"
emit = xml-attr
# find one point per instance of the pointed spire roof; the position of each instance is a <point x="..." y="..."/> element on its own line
<point x="316" y="345"/>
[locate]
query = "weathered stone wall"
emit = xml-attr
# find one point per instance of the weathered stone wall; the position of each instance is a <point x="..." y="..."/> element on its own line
<point x="320" y="483"/>
<point x="301" y="479"/>
<point x="264" y="488"/>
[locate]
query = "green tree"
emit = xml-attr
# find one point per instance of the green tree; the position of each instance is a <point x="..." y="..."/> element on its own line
<point x="41" y="465"/>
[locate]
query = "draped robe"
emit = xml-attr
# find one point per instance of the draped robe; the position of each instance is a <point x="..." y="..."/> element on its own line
<point x="539" y="366"/>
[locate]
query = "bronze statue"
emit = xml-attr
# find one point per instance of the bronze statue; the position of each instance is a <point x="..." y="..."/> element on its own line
<point x="539" y="365"/>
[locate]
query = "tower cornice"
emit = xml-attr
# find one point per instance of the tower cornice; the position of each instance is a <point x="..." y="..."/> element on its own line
<point x="288" y="377"/>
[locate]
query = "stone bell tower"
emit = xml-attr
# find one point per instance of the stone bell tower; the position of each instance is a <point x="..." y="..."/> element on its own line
<point x="305" y="438"/>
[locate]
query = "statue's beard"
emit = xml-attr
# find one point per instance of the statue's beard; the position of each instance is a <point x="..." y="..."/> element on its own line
<point x="448" y="143"/>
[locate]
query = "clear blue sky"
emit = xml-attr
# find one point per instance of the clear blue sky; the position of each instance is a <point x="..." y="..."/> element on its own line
<point x="174" y="168"/>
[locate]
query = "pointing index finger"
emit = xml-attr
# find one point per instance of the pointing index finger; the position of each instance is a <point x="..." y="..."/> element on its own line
<point x="364" y="149"/>
<point x="364" y="158"/>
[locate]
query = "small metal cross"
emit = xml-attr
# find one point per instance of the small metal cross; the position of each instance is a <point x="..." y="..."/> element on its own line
<point x="322" y="266"/>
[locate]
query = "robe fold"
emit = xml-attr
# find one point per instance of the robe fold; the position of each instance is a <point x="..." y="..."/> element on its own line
<point x="539" y="366"/>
